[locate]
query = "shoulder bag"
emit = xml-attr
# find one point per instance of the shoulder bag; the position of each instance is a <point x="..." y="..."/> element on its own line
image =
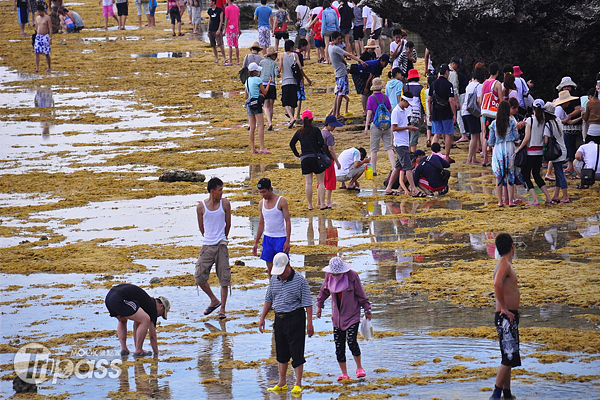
<point x="472" y="105"/>
<point x="323" y="161"/>
<point x="588" y="175"/>
<point x="552" y="149"/>
<point x="444" y="173"/>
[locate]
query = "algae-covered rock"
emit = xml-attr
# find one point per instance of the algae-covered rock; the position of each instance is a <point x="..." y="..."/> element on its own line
<point x="178" y="175"/>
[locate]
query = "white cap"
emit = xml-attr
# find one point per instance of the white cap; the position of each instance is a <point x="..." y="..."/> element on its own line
<point x="254" y="67"/>
<point x="280" y="261"/>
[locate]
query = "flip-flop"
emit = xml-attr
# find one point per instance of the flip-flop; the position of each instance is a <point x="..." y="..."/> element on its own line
<point x="353" y="188"/>
<point x="325" y="208"/>
<point x="582" y="187"/>
<point x="143" y="354"/>
<point x="533" y="204"/>
<point x="222" y="316"/>
<point x="265" y="152"/>
<point x="391" y="194"/>
<point x="420" y="194"/>
<point x="124" y="353"/>
<point x="565" y="202"/>
<point x="210" y="309"/>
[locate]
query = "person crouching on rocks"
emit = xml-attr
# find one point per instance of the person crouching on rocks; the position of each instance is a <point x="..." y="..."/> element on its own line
<point x="130" y="302"/>
<point x="347" y="298"/>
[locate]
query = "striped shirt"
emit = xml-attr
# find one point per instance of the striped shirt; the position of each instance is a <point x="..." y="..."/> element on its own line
<point x="288" y="295"/>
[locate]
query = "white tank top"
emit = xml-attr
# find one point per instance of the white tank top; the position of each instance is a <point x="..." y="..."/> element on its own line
<point x="214" y="225"/>
<point x="274" y="222"/>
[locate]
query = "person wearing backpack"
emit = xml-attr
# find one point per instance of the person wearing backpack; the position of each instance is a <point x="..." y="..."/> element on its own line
<point x="443" y="109"/>
<point x="471" y="113"/>
<point x="401" y="128"/>
<point x="379" y="114"/>
<point x="417" y="106"/>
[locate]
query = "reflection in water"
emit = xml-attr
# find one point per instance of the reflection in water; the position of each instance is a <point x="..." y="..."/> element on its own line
<point x="207" y="94"/>
<point x="165" y="54"/>
<point x="218" y="379"/>
<point x="44" y="100"/>
<point x="146" y="384"/>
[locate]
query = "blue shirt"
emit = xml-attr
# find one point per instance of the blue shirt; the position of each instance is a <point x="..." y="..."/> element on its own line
<point x="393" y="89"/>
<point x="510" y="136"/>
<point x="329" y="21"/>
<point x="253" y="86"/>
<point x="264" y="14"/>
<point x="288" y="295"/>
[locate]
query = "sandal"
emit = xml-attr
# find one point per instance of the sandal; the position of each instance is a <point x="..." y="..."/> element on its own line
<point x="210" y="309"/>
<point x="342" y="377"/>
<point x="222" y="315"/>
<point x="582" y="187"/>
<point x="420" y="194"/>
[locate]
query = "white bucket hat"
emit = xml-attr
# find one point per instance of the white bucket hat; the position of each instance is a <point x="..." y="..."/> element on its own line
<point x="337" y="266"/>
<point x="566" y="81"/>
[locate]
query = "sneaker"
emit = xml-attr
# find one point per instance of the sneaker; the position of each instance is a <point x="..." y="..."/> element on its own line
<point x="278" y="388"/>
<point x="360" y="373"/>
<point x="342" y="377"/>
<point x="296" y="390"/>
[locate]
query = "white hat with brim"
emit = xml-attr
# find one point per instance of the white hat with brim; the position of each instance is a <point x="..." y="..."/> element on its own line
<point x="280" y="261"/>
<point x="566" y="81"/>
<point x="337" y="266"/>
<point x="550" y="108"/>
<point x="563" y="97"/>
<point x="254" y="67"/>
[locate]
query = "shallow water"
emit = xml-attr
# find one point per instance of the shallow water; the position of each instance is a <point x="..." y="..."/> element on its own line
<point x="171" y="221"/>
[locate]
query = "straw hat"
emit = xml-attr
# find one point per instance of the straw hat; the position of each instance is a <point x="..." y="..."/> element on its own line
<point x="255" y="45"/>
<point x="371" y="44"/>
<point x="566" y="81"/>
<point x="376" y="85"/>
<point x="270" y="51"/>
<point x="563" y="97"/>
<point x="337" y="266"/>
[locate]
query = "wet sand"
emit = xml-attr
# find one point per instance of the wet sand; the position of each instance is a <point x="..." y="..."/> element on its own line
<point x="82" y="209"/>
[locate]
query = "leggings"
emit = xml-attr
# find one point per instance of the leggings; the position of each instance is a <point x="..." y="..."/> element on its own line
<point x="533" y="165"/>
<point x="339" y="337"/>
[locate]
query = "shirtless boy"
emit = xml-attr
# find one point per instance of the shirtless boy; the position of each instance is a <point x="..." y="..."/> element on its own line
<point x="507" y="315"/>
<point x="43" y="37"/>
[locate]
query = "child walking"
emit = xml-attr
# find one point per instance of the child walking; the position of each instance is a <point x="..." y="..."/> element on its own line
<point x="348" y="297"/>
<point x="107" y="11"/>
<point x="43" y="37"/>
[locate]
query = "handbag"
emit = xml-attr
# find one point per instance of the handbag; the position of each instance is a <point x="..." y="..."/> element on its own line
<point x="281" y="26"/>
<point x="472" y="105"/>
<point x="521" y="158"/>
<point x="255" y="103"/>
<point x="296" y="70"/>
<point x="323" y="161"/>
<point x="588" y="175"/>
<point x="552" y="149"/>
<point x="444" y="173"/>
<point x="489" y="105"/>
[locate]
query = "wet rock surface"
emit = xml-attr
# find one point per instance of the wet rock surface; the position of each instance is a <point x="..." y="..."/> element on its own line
<point x="547" y="39"/>
<point x="178" y="175"/>
<point x="20" y="386"/>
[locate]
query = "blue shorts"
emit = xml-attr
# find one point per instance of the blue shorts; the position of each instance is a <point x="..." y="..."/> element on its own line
<point x="341" y="86"/>
<point x="319" y="43"/>
<point x="301" y="94"/>
<point x="445" y="127"/>
<point x="271" y="246"/>
<point x="302" y="32"/>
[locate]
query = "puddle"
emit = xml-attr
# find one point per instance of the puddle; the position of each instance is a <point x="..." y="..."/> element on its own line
<point x="165" y="54"/>
<point x="207" y="94"/>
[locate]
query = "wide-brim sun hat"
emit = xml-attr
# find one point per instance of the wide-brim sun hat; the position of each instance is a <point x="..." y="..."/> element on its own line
<point x="376" y="85"/>
<point x="271" y="50"/>
<point x="563" y="97"/>
<point x="337" y="266"/>
<point x="280" y="261"/>
<point x="371" y="44"/>
<point x="255" y="45"/>
<point x="566" y="81"/>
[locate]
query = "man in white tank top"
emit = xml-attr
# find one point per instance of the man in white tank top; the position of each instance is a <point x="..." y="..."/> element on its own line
<point x="214" y="221"/>
<point x="274" y="222"/>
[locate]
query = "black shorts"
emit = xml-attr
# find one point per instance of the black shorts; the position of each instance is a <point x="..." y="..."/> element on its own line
<point x="473" y="124"/>
<point x="118" y="306"/>
<point x="290" y="337"/>
<point x="508" y="336"/>
<point x="282" y="35"/>
<point x="376" y="34"/>
<point x="310" y="165"/>
<point x="358" y="33"/>
<point x="289" y="95"/>
<point x="174" y="15"/>
<point x="122" y="9"/>
<point x="271" y="93"/>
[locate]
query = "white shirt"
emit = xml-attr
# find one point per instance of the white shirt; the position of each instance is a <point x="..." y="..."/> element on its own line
<point x="304" y="12"/>
<point x="590" y="152"/>
<point x="471" y="88"/>
<point x="378" y="21"/>
<point x="400" y="118"/>
<point x="346" y="159"/>
<point x="367" y="14"/>
<point x="107" y="3"/>
<point x="393" y="47"/>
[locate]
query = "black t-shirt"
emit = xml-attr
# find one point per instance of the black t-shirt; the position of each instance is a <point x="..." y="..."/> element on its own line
<point x="366" y="56"/>
<point x="463" y="82"/>
<point x="215" y="17"/>
<point x="427" y="169"/>
<point x="310" y="142"/>
<point x="443" y="89"/>
<point x="346" y="16"/>
<point x="133" y="292"/>
<point x="300" y="57"/>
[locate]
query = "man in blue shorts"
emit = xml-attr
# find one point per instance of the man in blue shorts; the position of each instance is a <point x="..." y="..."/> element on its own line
<point x="337" y="56"/>
<point x="443" y="109"/>
<point x="274" y="222"/>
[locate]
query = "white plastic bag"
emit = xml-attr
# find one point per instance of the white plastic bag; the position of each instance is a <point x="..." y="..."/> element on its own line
<point x="366" y="328"/>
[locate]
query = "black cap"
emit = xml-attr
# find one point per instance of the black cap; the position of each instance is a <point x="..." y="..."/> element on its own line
<point x="419" y="152"/>
<point x="264" y="183"/>
<point x="444" y="68"/>
<point x="456" y="60"/>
